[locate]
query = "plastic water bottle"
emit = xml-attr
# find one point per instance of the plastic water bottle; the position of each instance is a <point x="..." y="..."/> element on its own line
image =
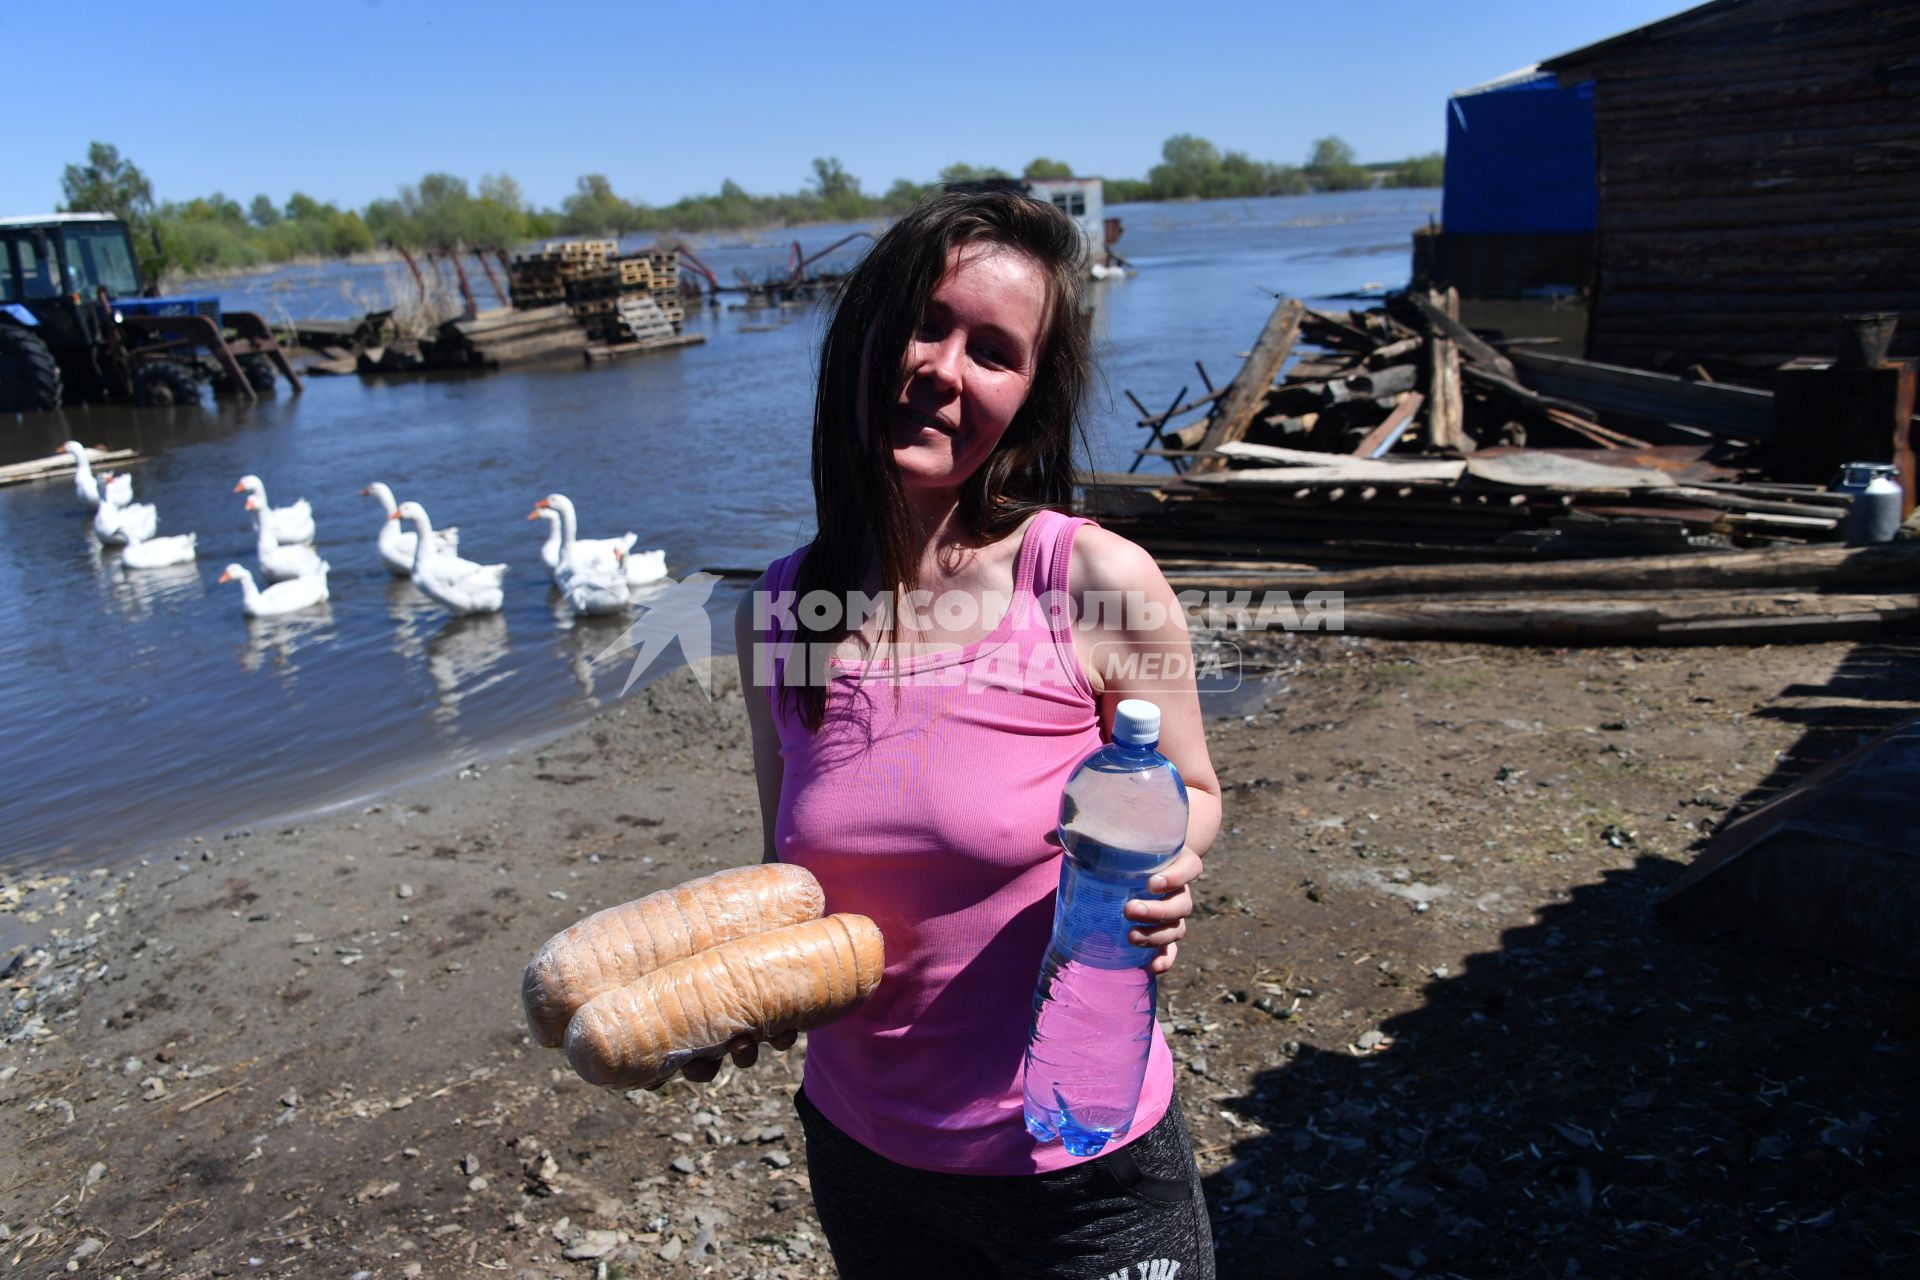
<point x="1123" y="818"/>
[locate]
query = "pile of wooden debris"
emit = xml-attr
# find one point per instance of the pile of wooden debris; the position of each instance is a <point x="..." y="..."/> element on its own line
<point x="1408" y="439"/>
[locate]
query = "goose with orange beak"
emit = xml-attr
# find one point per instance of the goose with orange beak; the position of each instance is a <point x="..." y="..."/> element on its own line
<point x="640" y="567"/>
<point x="290" y="524"/>
<point x="91" y="489"/>
<point x="395" y="543"/>
<point x="280" y="561"/>
<point x="280" y="598"/>
<point x="592" y="582"/>
<point x="118" y="526"/>
<point x="457" y="585"/>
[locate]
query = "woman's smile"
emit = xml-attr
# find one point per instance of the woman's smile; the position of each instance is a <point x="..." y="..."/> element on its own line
<point x="920" y="419"/>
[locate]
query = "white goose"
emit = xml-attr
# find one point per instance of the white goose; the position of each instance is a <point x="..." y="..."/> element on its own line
<point x="641" y="567"/>
<point x="396" y="544"/>
<point x="280" y="561"/>
<point x="290" y="524"/>
<point x="117" y="526"/>
<point x="559" y="549"/>
<point x="462" y="586"/>
<point x="119" y="488"/>
<point x="158" y="553"/>
<point x="590" y="584"/>
<point x="282" y="597"/>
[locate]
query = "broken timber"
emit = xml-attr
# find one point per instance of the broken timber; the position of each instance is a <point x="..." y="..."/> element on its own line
<point x="63" y="465"/>
<point x="1514" y="495"/>
<point x="1250" y="386"/>
<point x="495" y="338"/>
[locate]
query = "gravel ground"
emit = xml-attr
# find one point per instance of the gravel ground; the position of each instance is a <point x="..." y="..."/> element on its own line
<point x="1425" y="1025"/>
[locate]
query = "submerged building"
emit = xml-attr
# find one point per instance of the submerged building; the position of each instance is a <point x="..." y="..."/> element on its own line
<point x="1083" y="200"/>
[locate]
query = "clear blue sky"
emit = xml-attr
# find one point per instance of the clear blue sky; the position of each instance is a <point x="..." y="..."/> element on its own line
<point x="349" y="100"/>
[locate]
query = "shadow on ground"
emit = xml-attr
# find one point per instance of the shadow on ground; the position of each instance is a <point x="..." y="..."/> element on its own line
<point x="1604" y="1096"/>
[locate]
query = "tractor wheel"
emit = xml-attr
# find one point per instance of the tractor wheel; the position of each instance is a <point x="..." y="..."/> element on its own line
<point x="164" y="383"/>
<point x="29" y="378"/>
<point x="260" y="374"/>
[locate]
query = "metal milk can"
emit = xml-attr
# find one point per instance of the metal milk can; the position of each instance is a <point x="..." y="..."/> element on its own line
<point x="1875" y="513"/>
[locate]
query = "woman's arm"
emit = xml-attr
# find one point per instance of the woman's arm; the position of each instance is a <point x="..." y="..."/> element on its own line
<point x="766" y="740"/>
<point x="1132" y="637"/>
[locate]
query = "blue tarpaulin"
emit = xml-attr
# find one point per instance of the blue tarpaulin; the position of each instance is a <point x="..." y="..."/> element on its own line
<point x="1520" y="158"/>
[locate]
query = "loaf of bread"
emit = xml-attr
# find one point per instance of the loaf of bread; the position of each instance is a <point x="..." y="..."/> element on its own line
<point x="787" y="979"/>
<point x="612" y="948"/>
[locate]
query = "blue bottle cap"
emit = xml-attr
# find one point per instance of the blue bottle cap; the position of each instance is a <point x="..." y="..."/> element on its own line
<point x="1136" y="721"/>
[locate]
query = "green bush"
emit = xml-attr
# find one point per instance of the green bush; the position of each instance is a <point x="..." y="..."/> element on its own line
<point x="1429" y="170"/>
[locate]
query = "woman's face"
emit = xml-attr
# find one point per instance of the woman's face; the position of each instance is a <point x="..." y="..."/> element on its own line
<point x="968" y="366"/>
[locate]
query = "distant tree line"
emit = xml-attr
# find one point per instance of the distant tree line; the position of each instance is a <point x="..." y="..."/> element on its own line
<point x="442" y="212"/>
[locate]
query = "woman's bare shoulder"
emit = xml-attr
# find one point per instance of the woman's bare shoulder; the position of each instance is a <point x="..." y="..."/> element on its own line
<point x="1105" y="561"/>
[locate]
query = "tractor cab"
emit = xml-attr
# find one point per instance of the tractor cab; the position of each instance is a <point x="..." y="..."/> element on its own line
<point x="74" y="326"/>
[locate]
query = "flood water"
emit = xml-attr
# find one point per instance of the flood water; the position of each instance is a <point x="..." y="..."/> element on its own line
<point x="142" y="708"/>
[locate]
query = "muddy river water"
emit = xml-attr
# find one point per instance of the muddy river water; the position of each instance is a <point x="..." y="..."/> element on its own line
<point x="143" y="708"/>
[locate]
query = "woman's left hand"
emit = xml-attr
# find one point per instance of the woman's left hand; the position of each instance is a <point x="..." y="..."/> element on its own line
<point x="1161" y="921"/>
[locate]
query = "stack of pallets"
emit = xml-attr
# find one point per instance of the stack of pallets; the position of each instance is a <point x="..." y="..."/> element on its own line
<point x="595" y="282"/>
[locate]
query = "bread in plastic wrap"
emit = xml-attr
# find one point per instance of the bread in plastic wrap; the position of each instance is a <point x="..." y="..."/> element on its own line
<point x="787" y="979"/>
<point x="611" y="948"/>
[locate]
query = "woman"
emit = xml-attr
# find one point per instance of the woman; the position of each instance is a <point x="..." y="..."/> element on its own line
<point x="913" y="758"/>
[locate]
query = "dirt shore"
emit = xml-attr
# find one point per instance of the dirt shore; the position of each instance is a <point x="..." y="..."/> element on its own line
<point x="1425" y="1025"/>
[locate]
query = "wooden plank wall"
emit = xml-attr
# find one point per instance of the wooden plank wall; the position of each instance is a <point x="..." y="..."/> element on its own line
<point x="1759" y="177"/>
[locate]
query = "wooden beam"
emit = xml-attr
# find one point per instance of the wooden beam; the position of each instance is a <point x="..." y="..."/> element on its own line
<point x="1382" y="437"/>
<point x="63" y="465"/>
<point x="1446" y="324"/>
<point x="1446" y="406"/>
<point x="1685" y="618"/>
<point x="1892" y="565"/>
<point x="1338" y="468"/>
<point x="1340" y="327"/>
<point x="1248" y="392"/>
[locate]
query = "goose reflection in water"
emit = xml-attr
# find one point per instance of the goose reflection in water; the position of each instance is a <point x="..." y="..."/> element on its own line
<point x="411" y="610"/>
<point x="274" y="641"/>
<point x="584" y="638"/>
<point x="580" y="640"/>
<point x="462" y="657"/>
<point x="136" y="594"/>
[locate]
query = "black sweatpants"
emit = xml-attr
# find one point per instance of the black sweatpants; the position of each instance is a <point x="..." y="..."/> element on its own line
<point x="1134" y="1213"/>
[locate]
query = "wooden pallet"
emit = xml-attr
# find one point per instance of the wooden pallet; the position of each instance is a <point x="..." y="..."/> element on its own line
<point x="636" y="272"/>
<point x="568" y="249"/>
<point x="644" y="321"/>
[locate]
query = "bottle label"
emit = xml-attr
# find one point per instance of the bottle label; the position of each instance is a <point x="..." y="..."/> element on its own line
<point x="1090" y="922"/>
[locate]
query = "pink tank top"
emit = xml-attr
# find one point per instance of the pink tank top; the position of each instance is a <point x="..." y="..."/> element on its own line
<point x="929" y="811"/>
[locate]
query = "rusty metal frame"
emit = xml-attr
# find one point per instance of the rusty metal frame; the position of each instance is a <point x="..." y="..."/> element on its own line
<point x="193" y="331"/>
<point x="251" y="337"/>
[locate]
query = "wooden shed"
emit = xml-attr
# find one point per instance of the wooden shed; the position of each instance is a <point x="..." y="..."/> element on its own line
<point x="1759" y="177"/>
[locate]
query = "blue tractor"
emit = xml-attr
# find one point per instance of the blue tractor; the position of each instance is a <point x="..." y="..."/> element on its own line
<point x="75" y="328"/>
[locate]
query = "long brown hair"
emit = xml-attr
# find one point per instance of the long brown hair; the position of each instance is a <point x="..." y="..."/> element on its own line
<point x="859" y="501"/>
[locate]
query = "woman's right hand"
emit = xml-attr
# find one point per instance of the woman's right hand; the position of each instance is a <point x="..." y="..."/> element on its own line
<point x="745" y="1051"/>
